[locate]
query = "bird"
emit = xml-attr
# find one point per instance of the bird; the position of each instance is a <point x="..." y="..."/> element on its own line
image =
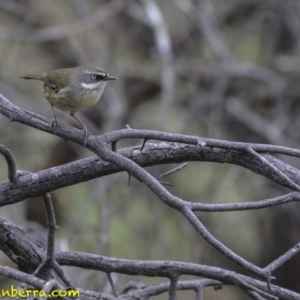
<point x="73" y="89"/>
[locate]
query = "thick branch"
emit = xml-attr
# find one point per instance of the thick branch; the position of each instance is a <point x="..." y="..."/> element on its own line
<point x="86" y="169"/>
<point x="165" y="269"/>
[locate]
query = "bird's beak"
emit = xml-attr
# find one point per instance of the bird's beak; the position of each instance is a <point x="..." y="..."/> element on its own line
<point x="108" y="77"/>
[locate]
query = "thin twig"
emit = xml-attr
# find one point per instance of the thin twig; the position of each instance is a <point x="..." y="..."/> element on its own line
<point x="295" y="196"/>
<point x="177" y="169"/>
<point x="111" y="282"/>
<point x="273" y="168"/>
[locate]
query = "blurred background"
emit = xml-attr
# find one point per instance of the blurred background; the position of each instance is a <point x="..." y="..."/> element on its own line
<point x="224" y="69"/>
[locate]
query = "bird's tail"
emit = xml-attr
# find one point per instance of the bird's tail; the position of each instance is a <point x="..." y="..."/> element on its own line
<point x="36" y="77"/>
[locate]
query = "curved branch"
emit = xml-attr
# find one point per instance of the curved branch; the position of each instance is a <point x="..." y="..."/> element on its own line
<point x="204" y="149"/>
<point x="165" y="269"/>
<point x="11" y="163"/>
<point x="39" y="183"/>
<point x="174" y="202"/>
<point x="22" y="277"/>
<point x="15" y="113"/>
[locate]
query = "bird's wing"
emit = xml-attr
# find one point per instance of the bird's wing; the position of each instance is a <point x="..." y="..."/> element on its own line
<point x="58" y="78"/>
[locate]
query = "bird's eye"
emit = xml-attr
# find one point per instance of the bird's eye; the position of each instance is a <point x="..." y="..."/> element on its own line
<point x="56" y="89"/>
<point x="98" y="76"/>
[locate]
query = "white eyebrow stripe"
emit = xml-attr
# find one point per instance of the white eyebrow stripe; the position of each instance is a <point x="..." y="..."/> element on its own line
<point x="90" y="86"/>
<point x="95" y="72"/>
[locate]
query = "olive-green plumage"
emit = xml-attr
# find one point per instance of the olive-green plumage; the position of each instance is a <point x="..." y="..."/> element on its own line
<point x="73" y="89"/>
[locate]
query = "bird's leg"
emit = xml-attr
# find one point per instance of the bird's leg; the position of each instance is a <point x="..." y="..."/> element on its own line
<point x="84" y="129"/>
<point x="54" y="122"/>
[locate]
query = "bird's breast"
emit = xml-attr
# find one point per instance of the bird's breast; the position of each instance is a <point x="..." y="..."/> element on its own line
<point x="72" y="100"/>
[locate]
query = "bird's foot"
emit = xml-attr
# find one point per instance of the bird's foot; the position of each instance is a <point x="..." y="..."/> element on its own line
<point x="54" y="124"/>
<point x="86" y="134"/>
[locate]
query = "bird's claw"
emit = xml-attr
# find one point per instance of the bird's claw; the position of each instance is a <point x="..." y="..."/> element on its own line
<point x="54" y="124"/>
<point x="85" y="133"/>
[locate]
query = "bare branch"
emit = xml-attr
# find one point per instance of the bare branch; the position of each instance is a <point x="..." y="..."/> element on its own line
<point x="173" y="148"/>
<point x="282" y="259"/>
<point x="11" y="163"/>
<point x="165" y="269"/>
<point x="177" y="169"/>
<point x="247" y="205"/>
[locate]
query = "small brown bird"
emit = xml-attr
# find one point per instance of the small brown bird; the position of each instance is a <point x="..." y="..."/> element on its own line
<point x="73" y="90"/>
